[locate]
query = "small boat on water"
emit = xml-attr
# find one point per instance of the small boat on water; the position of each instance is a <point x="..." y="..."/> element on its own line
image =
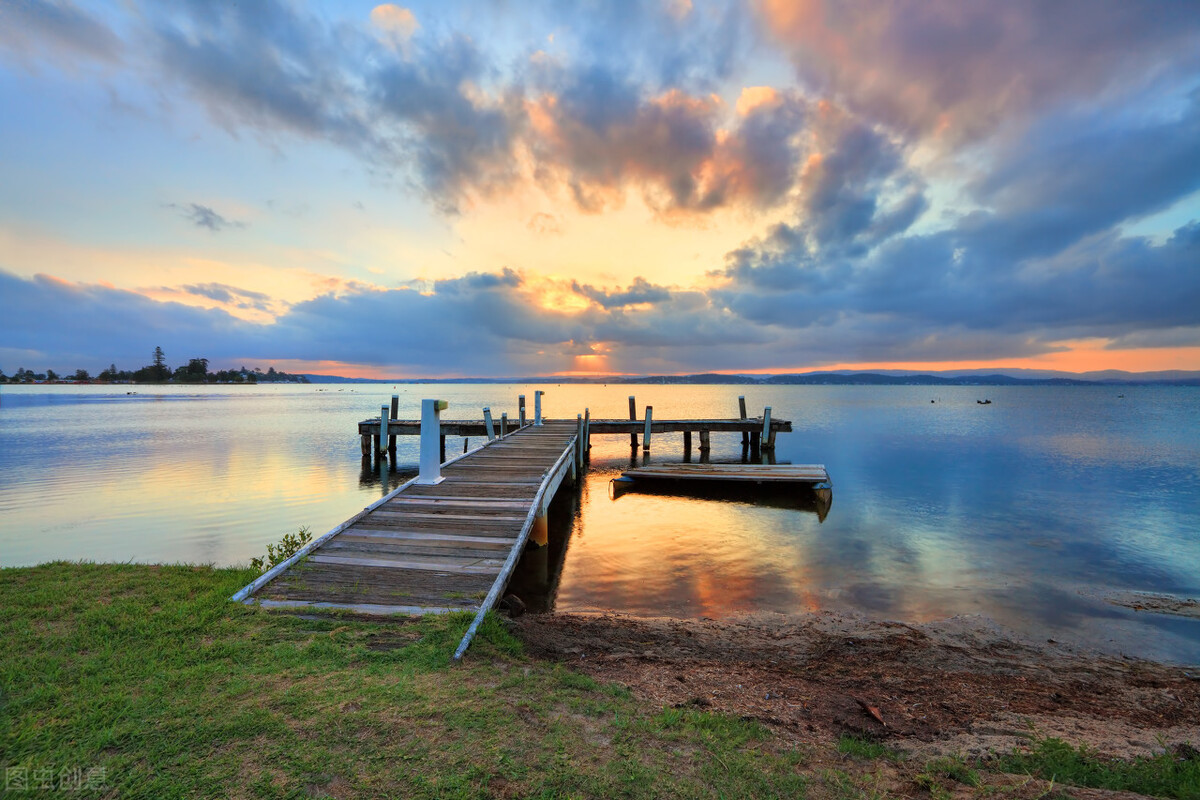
<point x="984" y="402"/>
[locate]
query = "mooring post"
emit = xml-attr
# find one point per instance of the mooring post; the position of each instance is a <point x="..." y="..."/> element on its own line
<point x="431" y="431"/>
<point x="466" y="443"/>
<point x="767" y="439"/>
<point x="383" y="428"/>
<point x="687" y="441"/>
<point x="646" y="433"/>
<point x="393" y="413"/>
<point x="521" y="409"/>
<point x="742" y="412"/>
<point x="587" y="430"/>
<point x="487" y="423"/>
<point x="704" y="445"/>
<point x="504" y="425"/>
<point x="632" y="418"/>
<point x="579" y="441"/>
<point x="537" y="407"/>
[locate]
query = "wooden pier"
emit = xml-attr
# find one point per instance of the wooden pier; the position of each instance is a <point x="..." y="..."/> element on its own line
<point x="434" y="548"/>
<point x="757" y="432"/>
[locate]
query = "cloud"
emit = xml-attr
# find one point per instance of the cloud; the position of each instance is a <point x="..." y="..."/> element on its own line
<point x="963" y="71"/>
<point x="205" y="217"/>
<point x="640" y="291"/>
<point x="396" y="25"/>
<point x="230" y="295"/>
<point x="36" y="28"/>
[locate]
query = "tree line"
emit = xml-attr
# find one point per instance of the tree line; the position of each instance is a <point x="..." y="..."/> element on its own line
<point x="157" y="371"/>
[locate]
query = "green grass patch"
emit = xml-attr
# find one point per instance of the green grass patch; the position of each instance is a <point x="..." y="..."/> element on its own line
<point x="146" y="682"/>
<point x="1169" y="774"/>
<point x="866" y="749"/>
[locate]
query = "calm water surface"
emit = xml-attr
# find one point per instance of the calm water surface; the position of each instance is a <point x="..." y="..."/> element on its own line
<point x="1028" y="510"/>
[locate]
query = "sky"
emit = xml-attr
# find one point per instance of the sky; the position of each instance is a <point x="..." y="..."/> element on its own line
<point x="451" y="189"/>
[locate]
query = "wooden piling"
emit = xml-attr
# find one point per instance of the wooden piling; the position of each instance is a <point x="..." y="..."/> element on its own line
<point x="704" y="445"/>
<point x="487" y="423"/>
<point x="521" y="410"/>
<point x="579" y="441"/>
<point x="442" y="443"/>
<point x="646" y="433"/>
<point x="504" y="425"/>
<point x="632" y="418"/>
<point x="383" y="426"/>
<point x="366" y="444"/>
<point x="687" y="441"/>
<point x="587" y="430"/>
<point x="394" y="413"/>
<point x="768" y="438"/>
<point x="742" y="412"/>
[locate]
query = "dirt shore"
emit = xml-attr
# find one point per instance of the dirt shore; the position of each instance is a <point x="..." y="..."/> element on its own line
<point x="962" y="685"/>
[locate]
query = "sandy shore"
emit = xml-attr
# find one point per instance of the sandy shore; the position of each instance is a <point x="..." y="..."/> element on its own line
<point x="960" y="685"/>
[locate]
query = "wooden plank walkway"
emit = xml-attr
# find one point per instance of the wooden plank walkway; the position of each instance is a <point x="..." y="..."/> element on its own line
<point x="431" y="549"/>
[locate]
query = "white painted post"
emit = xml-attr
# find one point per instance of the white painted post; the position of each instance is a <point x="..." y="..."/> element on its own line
<point x="766" y="424"/>
<point x="383" y="426"/>
<point x="537" y="407"/>
<point x="646" y="432"/>
<point x="431" y="434"/>
<point x="487" y="423"/>
<point x="521" y="409"/>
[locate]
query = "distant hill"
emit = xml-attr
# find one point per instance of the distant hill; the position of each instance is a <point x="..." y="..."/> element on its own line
<point x="1008" y="377"/>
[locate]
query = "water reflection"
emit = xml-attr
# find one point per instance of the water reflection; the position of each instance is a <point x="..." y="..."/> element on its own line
<point x="1025" y="510"/>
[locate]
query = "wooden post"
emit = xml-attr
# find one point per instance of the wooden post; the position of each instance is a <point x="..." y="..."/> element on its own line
<point x="587" y="430"/>
<point x="687" y="441"/>
<point x="767" y="439"/>
<point x="579" y="441"/>
<point x="742" y="412"/>
<point x="646" y="433"/>
<point x="366" y="444"/>
<point x="442" y="448"/>
<point x="383" y="427"/>
<point x="504" y="425"/>
<point x="466" y="442"/>
<point x="393" y="413"/>
<point x="632" y="418"/>
<point x="704" y="446"/>
<point x="487" y="423"/>
<point x="537" y="408"/>
<point x="521" y="410"/>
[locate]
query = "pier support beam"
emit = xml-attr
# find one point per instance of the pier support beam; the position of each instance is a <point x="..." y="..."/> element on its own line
<point x="632" y="418"/>
<point x="383" y="427"/>
<point x="487" y="423"/>
<point x="768" y="435"/>
<point x="587" y="431"/>
<point x="646" y="432"/>
<point x="687" y="441"/>
<point x="521" y="410"/>
<point x="742" y="413"/>
<point x="504" y="425"/>
<point x="704" y="444"/>
<point x="393" y="413"/>
<point x="366" y="445"/>
<point x="537" y="407"/>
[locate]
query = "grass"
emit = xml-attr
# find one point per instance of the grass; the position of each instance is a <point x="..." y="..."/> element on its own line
<point x="148" y="682"/>
<point x="1168" y="774"/>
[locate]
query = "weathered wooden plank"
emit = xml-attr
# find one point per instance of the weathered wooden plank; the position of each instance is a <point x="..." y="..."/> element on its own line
<point x="370" y="609"/>
<point x="398" y="535"/>
<point x="482" y="566"/>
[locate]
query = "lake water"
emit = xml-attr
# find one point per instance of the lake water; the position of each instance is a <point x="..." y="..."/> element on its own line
<point x="1029" y="510"/>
